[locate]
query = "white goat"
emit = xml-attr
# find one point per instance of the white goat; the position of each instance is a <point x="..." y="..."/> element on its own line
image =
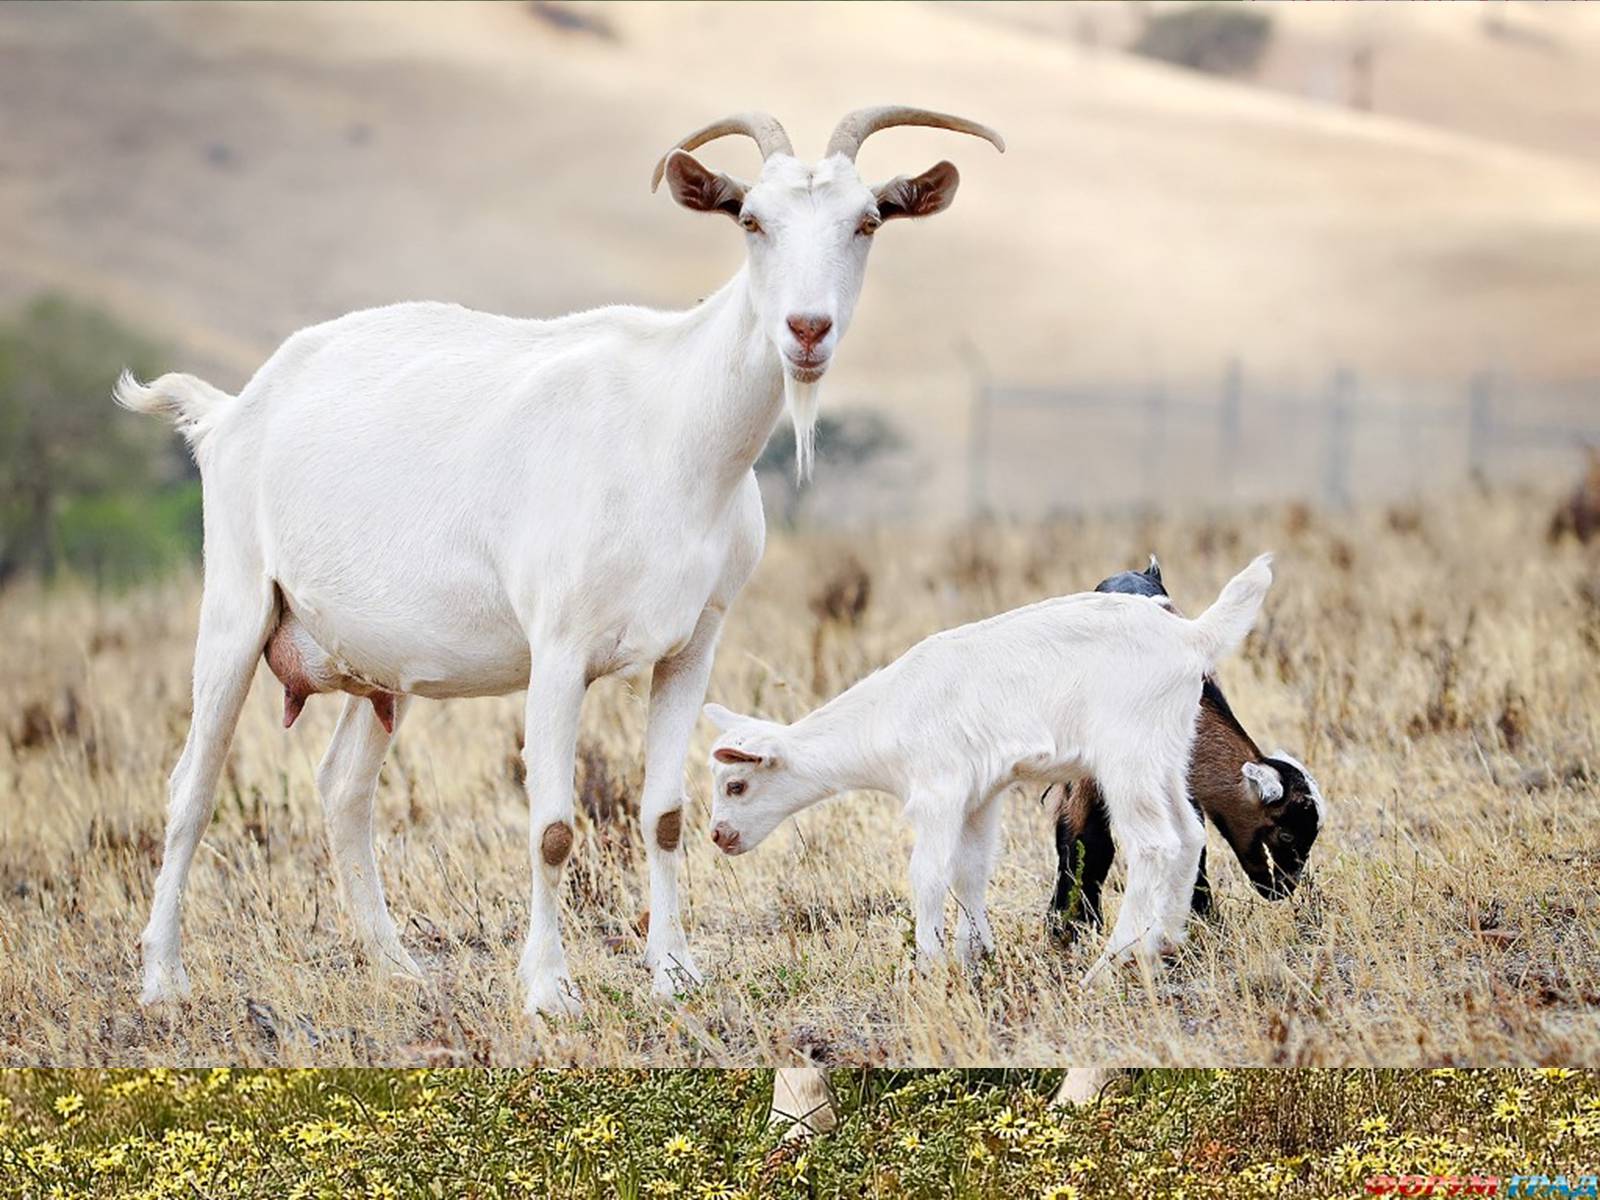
<point x="421" y="500"/>
<point x="1095" y="685"/>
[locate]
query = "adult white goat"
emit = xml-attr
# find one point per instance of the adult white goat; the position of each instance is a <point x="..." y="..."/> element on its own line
<point x="421" y="500"/>
<point x="1103" y="686"/>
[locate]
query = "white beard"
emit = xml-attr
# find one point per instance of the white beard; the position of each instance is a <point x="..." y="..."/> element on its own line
<point x="801" y="400"/>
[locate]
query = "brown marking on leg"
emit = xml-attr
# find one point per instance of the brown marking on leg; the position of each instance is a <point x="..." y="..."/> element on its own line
<point x="556" y="843"/>
<point x="383" y="705"/>
<point x="669" y="828"/>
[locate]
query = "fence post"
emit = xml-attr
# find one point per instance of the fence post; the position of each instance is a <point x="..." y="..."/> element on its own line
<point x="1480" y="422"/>
<point x="1228" y="426"/>
<point x="1336" y="468"/>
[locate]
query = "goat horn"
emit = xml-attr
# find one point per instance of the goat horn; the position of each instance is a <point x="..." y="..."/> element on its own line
<point x="856" y="127"/>
<point x="768" y="134"/>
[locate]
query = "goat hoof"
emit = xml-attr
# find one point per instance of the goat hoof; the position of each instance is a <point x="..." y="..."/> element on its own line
<point x="1102" y="975"/>
<point x="165" y="985"/>
<point x="397" y="966"/>
<point x="554" y="998"/>
<point x="675" y="975"/>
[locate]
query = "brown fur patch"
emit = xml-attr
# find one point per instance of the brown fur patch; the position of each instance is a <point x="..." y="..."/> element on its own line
<point x="1221" y="748"/>
<point x="669" y="828"/>
<point x="556" y="843"/>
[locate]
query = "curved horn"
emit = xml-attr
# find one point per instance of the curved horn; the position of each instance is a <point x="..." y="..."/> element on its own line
<point x="856" y="127"/>
<point x="768" y="134"/>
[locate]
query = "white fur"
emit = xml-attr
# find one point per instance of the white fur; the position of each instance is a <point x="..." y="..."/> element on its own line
<point x="1265" y="781"/>
<point x="450" y="503"/>
<point x="1092" y="685"/>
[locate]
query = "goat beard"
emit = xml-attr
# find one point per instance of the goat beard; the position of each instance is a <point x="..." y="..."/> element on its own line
<point x="801" y="400"/>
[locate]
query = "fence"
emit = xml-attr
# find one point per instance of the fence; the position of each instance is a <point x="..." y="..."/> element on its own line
<point x="1035" y="450"/>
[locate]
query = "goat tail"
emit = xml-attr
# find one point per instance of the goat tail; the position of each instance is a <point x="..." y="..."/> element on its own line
<point x="190" y="402"/>
<point x="1220" y="630"/>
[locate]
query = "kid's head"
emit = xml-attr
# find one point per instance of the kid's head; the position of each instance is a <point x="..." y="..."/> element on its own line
<point x="754" y="784"/>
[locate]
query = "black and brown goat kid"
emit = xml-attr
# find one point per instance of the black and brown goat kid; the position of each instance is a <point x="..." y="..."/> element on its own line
<point x="1267" y="807"/>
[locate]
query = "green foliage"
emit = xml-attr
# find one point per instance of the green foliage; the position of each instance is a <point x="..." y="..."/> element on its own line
<point x="82" y="483"/>
<point x="121" y="537"/>
<point x="509" y="1135"/>
<point x="1223" y="39"/>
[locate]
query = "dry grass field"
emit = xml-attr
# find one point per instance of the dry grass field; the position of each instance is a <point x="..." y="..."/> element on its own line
<point x="1437" y="666"/>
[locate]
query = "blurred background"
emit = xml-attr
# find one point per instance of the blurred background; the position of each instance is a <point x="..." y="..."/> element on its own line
<point x="1235" y="254"/>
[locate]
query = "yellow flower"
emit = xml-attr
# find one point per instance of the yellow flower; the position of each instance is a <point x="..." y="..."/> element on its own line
<point x="1060" y="1191"/>
<point x="911" y="1141"/>
<point x="68" y="1104"/>
<point x="1010" y="1126"/>
<point x="110" y="1159"/>
<point x="1082" y="1166"/>
<point x="1374" y="1125"/>
<point x="677" y="1146"/>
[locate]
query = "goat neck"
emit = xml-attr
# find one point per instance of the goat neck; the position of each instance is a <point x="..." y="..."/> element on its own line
<point x="728" y="390"/>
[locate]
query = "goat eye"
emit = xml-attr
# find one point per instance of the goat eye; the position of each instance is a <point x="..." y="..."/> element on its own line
<point x="869" y="225"/>
<point x="749" y="224"/>
<point x="735" y="788"/>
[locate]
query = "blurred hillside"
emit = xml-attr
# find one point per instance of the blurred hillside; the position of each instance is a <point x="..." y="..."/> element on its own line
<point x="224" y="174"/>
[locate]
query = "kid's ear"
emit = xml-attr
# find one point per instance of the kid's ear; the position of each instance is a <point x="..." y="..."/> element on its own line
<point x="1266" y="782"/>
<point x="755" y="748"/>
<point x="723" y="718"/>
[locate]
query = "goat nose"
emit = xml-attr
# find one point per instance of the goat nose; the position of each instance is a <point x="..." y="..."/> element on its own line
<point x="724" y="836"/>
<point x="809" y="329"/>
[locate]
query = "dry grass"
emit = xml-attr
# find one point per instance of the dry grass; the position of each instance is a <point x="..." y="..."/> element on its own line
<point x="1437" y="666"/>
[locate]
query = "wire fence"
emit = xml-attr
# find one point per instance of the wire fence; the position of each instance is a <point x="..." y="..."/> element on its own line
<point x="1034" y="450"/>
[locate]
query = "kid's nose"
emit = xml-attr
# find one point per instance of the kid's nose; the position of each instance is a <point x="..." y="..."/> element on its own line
<point x="725" y="836"/>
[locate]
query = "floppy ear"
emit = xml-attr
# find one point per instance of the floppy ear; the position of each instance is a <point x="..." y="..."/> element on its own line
<point x="699" y="188"/>
<point x="1265" y="782"/>
<point x="760" y="750"/>
<point x="723" y="718"/>
<point x="928" y="193"/>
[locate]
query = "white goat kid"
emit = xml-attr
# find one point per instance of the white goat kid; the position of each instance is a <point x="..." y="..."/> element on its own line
<point x="1102" y="686"/>
<point x="421" y="500"/>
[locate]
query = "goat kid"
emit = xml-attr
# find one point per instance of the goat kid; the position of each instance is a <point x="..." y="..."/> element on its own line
<point x="1093" y="685"/>
<point x="422" y="500"/>
<point x="1268" y="808"/>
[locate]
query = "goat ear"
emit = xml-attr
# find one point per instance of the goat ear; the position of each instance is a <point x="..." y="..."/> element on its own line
<point x="1265" y="782"/>
<point x="697" y="187"/>
<point x="761" y="751"/>
<point x="723" y="718"/>
<point x="928" y="193"/>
